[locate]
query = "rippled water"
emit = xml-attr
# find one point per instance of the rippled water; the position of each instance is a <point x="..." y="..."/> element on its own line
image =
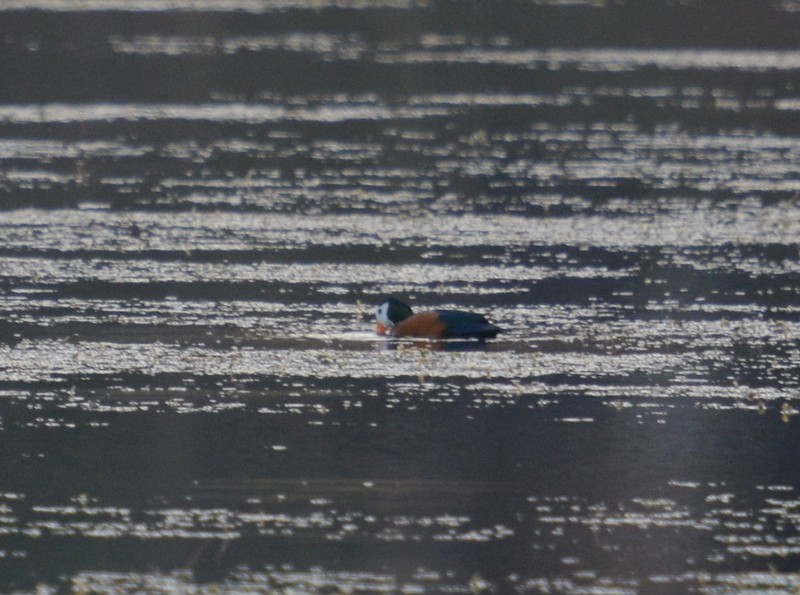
<point x="201" y="203"/>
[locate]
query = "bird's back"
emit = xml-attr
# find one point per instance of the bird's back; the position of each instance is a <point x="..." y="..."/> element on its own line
<point x="464" y="325"/>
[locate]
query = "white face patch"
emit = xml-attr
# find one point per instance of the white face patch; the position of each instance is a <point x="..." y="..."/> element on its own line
<point x="382" y="315"/>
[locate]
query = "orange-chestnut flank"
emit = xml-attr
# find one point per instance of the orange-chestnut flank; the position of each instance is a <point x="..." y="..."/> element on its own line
<point x="398" y="320"/>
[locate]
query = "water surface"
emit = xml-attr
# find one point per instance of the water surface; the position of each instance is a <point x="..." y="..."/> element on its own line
<point x="201" y="203"/>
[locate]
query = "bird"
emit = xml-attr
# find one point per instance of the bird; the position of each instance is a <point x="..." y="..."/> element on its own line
<point x="396" y="319"/>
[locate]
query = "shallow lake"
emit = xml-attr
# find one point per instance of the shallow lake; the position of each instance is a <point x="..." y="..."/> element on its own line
<point x="202" y="203"/>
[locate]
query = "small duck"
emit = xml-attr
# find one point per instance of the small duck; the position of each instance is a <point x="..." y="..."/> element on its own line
<point x="398" y="320"/>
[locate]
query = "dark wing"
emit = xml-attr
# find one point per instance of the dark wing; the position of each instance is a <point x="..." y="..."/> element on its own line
<point x="462" y="325"/>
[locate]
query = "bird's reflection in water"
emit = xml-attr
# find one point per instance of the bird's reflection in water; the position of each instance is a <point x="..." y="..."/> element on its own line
<point x="401" y="345"/>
